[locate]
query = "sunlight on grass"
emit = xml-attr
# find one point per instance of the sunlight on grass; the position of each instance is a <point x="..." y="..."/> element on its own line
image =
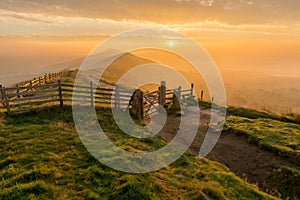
<point x="280" y="137"/>
<point x="42" y="157"/>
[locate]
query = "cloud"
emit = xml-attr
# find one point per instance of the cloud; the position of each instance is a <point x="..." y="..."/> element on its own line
<point x="201" y="2"/>
<point x="167" y="11"/>
<point x="28" y="24"/>
<point x="27" y="18"/>
<point x="61" y="18"/>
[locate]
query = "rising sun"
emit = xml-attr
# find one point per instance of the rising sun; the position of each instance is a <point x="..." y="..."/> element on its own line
<point x="171" y="43"/>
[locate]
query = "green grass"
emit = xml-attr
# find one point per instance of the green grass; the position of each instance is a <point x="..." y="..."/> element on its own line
<point x="284" y="178"/>
<point x="280" y="137"/>
<point x="204" y="104"/>
<point x="42" y="157"/>
<point x="255" y="114"/>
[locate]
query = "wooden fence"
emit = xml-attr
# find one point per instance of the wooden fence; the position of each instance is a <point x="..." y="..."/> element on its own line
<point x="20" y="98"/>
<point x="23" y="93"/>
<point x="42" y="80"/>
<point x="94" y="96"/>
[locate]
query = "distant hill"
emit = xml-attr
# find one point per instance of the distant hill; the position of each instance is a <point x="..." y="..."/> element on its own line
<point x="244" y="88"/>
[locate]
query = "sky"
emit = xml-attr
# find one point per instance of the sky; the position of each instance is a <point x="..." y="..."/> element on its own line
<point x="40" y="32"/>
<point x="241" y="36"/>
<point x="101" y="17"/>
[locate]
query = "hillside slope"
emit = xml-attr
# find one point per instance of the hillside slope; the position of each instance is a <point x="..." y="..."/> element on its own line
<point x="42" y="157"/>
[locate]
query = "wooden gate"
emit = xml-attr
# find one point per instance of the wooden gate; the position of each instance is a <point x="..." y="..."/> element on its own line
<point x="143" y="105"/>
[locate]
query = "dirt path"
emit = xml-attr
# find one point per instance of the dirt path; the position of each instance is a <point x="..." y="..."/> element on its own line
<point x="247" y="161"/>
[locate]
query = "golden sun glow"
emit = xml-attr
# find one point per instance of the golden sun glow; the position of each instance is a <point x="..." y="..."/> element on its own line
<point x="171" y="43"/>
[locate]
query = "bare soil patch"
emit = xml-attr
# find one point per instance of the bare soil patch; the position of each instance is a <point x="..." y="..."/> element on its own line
<point x="247" y="160"/>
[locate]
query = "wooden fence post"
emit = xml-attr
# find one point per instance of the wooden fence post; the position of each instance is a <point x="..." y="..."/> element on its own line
<point x="92" y="94"/>
<point x="60" y="94"/>
<point x="192" y="92"/>
<point x="18" y="91"/>
<point x="179" y="93"/>
<point x="40" y="81"/>
<point x="45" y="78"/>
<point x="2" y="95"/>
<point x="30" y="85"/>
<point x="117" y="96"/>
<point x="6" y="99"/>
<point x="162" y="93"/>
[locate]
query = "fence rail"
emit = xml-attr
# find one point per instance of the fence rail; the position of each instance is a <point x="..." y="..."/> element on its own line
<point x="34" y="93"/>
<point x="13" y="100"/>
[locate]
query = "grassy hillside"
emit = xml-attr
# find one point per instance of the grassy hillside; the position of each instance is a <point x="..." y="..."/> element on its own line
<point x="42" y="157"/>
<point x="280" y="137"/>
<point x="278" y="134"/>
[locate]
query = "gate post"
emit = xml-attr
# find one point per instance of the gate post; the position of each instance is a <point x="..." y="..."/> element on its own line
<point x="140" y="105"/>
<point x="137" y="104"/>
<point x="162" y="93"/>
<point x="176" y="101"/>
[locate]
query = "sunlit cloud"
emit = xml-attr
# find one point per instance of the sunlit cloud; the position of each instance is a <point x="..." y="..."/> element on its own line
<point x="167" y="11"/>
<point x="201" y="2"/>
<point x="26" y="17"/>
<point x="49" y="20"/>
<point x="216" y="26"/>
<point x="37" y="24"/>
